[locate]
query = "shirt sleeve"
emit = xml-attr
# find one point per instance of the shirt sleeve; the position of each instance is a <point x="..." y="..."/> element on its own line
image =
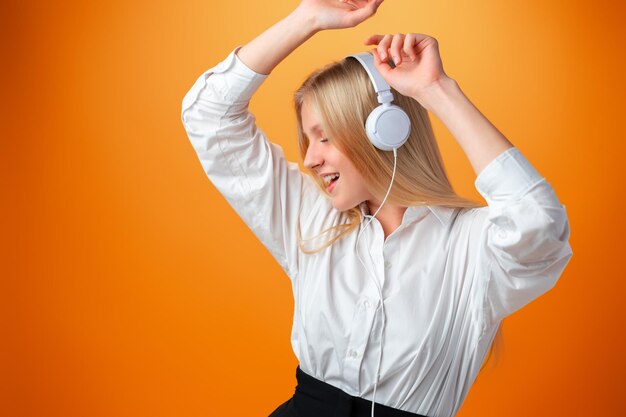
<point x="250" y="172"/>
<point x="524" y="235"/>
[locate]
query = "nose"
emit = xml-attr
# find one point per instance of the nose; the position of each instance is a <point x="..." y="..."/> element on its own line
<point x="313" y="157"/>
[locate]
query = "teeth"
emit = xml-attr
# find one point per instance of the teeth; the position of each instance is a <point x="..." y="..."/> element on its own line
<point x="329" y="178"/>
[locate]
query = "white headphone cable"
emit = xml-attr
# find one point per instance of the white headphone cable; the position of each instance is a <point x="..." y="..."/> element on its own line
<point x="380" y="294"/>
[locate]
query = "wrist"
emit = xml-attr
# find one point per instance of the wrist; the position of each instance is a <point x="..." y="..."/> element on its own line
<point x="437" y="94"/>
<point x="306" y="21"/>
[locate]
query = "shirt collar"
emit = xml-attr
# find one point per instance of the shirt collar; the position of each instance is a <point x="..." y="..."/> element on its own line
<point x="443" y="214"/>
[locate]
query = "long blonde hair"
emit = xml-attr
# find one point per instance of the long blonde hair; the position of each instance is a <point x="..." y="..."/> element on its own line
<point x="343" y="96"/>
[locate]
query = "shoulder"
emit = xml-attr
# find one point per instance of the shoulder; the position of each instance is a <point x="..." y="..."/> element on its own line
<point x="467" y="223"/>
<point x="458" y="217"/>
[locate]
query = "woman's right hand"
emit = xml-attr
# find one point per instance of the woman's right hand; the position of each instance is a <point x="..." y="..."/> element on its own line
<point x="339" y="14"/>
<point x="265" y="51"/>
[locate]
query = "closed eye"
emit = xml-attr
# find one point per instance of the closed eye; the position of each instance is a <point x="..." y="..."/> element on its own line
<point x="324" y="140"/>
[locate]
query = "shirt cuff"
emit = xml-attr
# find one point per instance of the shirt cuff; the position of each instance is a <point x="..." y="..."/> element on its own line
<point x="507" y="177"/>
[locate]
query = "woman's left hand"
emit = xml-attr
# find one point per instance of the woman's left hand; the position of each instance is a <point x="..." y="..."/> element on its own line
<point x="418" y="63"/>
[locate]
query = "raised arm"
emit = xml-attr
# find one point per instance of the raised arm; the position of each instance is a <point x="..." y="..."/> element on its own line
<point x="481" y="141"/>
<point x="419" y="73"/>
<point x="523" y="235"/>
<point x="265" y="189"/>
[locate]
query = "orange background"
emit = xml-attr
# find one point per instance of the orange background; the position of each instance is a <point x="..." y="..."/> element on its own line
<point x="131" y="288"/>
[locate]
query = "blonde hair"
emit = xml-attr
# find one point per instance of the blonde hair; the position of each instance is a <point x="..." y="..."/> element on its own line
<point x="343" y="96"/>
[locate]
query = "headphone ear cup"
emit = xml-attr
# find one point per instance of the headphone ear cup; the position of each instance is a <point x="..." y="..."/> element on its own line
<point x="388" y="127"/>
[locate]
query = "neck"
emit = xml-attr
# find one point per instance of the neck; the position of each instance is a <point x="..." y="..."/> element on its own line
<point x="389" y="216"/>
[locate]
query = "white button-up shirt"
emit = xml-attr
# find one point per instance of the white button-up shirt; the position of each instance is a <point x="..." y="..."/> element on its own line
<point x="448" y="276"/>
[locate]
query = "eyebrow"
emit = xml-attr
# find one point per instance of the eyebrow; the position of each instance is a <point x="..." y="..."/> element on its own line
<point x="315" y="128"/>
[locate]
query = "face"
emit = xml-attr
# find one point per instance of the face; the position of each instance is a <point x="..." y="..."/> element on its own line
<point x="324" y="158"/>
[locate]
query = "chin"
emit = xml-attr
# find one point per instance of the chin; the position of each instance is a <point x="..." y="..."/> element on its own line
<point x="342" y="205"/>
<point x="339" y="205"/>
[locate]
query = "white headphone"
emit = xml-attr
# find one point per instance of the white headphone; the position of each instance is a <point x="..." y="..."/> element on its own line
<point x="387" y="127"/>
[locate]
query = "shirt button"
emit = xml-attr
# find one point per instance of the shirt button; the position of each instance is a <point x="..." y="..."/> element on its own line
<point x="367" y="304"/>
<point x="502" y="234"/>
<point x="352" y="353"/>
<point x="387" y="265"/>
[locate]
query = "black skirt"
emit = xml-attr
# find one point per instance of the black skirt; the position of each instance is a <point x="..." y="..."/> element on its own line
<point x="315" y="398"/>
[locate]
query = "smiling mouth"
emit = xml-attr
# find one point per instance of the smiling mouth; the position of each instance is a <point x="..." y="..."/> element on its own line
<point x="331" y="184"/>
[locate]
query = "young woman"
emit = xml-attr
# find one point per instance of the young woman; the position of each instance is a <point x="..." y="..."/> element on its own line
<point x="399" y="284"/>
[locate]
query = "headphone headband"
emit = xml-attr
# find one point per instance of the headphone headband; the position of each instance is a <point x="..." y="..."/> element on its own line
<point x="383" y="91"/>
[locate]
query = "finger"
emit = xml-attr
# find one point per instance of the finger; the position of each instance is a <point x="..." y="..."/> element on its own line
<point x="381" y="65"/>
<point x="396" y="44"/>
<point x="349" y="4"/>
<point x="361" y="13"/>
<point x="409" y="45"/>
<point x="421" y="41"/>
<point x="383" y="46"/>
<point x="373" y="39"/>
